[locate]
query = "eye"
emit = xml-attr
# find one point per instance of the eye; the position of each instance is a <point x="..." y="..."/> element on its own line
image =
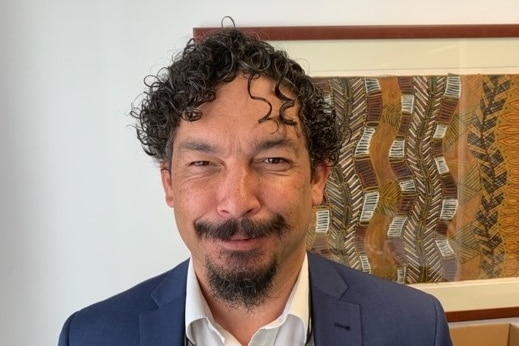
<point x="276" y="164"/>
<point x="275" y="160"/>
<point x="199" y="163"/>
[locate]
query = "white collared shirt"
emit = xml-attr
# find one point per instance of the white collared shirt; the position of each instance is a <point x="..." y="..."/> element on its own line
<point x="290" y="328"/>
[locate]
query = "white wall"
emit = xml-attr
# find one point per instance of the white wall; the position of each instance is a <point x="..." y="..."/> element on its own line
<point x="81" y="208"/>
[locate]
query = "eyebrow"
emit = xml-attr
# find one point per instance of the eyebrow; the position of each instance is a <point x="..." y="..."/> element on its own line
<point x="192" y="145"/>
<point x="277" y="143"/>
<point x="200" y="146"/>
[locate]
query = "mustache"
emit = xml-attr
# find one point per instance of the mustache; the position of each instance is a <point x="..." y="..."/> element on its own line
<point x="248" y="227"/>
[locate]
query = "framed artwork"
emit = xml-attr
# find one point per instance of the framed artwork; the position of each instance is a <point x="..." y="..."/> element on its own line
<point x="426" y="190"/>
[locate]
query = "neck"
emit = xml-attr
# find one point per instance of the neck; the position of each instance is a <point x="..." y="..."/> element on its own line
<point x="243" y="321"/>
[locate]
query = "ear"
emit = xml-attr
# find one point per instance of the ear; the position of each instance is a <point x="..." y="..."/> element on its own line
<point x="167" y="184"/>
<point x="319" y="178"/>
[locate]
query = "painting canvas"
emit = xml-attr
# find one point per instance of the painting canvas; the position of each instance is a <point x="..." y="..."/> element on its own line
<point x="427" y="187"/>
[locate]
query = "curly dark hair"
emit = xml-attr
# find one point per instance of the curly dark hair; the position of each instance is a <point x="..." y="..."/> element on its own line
<point x="177" y="91"/>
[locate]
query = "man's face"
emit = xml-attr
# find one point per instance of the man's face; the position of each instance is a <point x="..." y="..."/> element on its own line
<point x="242" y="192"/>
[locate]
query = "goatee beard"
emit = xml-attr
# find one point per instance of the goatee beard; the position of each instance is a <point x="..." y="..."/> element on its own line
<point x="242" y="280"/>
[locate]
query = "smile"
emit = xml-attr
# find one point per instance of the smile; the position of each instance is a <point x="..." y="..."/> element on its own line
<point x="240" y="243"/>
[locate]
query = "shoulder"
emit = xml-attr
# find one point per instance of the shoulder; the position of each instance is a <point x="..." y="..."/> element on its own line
<point x="119" y="314"/>
<point x="409" y="316"/>
<point x="357" y="283"/>
<point x="140" y="296"/>
<point x="371" y="293"/>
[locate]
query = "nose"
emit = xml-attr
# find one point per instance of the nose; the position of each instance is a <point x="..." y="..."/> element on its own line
<point x="238" y="193"/>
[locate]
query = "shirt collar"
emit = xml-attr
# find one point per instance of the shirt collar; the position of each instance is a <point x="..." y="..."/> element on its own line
<point x="297" y="304"/>
<point x="196" y="305"/>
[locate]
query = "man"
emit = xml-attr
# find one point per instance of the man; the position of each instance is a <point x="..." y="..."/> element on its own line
<point x="245" y="142"/>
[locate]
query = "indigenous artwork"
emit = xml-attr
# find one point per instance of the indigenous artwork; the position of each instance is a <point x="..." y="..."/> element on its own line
<point x="427" y="185"/>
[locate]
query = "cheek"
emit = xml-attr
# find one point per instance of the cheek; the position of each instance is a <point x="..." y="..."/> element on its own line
<point x="293" y="197"/>
<point x="186" y="211"/>
<point x="188" y="192"/>
<point x="193" y="201"/>
<point x="190" y="203"/>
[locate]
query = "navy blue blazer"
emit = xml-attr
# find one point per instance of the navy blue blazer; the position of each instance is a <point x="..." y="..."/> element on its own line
<point x="348" y="308"/>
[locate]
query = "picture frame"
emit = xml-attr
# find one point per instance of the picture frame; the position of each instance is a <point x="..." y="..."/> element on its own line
<point x="377" y="50"/>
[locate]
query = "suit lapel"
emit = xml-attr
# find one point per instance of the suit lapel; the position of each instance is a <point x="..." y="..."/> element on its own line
<point x="166" y="325"/>
<point x="335" y="321"/>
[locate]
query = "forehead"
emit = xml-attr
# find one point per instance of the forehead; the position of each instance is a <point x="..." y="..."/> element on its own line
<point x="245" y="111"/>
<point x="246" y="93"/>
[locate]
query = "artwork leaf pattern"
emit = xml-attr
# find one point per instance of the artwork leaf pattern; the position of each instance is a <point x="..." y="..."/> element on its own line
<point x="424" y="188"/>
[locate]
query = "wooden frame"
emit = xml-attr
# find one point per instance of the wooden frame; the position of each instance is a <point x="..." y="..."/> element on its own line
<point x="443" y="45"/>
<point x="506" y="308"/>
<point x="360" y="32"/>
<point x="474" y="300"/>
<point x="482" y="314"/>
